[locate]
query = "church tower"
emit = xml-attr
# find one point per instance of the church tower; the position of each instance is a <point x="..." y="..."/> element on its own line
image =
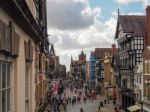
<point x="82" y="57"/>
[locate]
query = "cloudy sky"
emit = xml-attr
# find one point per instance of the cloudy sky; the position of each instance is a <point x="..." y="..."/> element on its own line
<point x="76" y="25"/>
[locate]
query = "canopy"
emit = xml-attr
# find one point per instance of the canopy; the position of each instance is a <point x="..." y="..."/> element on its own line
<point x="134" y="108"/>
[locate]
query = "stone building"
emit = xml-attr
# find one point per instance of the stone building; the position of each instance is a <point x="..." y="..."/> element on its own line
<point x="101" y="67"/>
<point x="78" y="69"/>
<point x="23" y="48"/>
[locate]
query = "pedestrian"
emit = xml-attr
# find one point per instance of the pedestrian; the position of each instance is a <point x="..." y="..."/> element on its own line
<point x="99" y="108"/>
<point x="61" y="108"/>
<point x="81" y="110"/>
<point x="115" y="109"/>
<point x="84" y="98"/>
<point x="114" y="102"/>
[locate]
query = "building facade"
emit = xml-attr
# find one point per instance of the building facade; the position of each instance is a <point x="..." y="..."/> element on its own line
<point x="92" y="80"/>
<point x="78" y="69"/>
<point x="146" y="66"/>
<point x="100" y="55"/>
<point x="130" y="34"/>
<point x="23" y="38"/>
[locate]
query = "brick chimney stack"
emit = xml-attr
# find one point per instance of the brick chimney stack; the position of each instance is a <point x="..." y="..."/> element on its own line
<point x="147" y="40"/>
<point x="114" y="49"/>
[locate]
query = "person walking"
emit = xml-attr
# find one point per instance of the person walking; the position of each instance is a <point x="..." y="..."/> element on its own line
<point x="61" y="108"/>
<point x="99" y="109"/>
<point x="84" y="98"/>
<point x="81" y="110"/>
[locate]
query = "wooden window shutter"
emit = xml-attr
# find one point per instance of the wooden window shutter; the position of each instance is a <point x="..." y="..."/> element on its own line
<point x="36" y="58"/>
<point x="25" y="49"/>
<point x="12" y="38"/>
<point x="30" y="51"/>
<point x="17" y="44"/>
<point x="6" y="38"/>
<point x="1" y="35"/>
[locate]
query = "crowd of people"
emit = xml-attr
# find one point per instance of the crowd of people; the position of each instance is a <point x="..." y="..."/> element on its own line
<point x="59" y="103"/>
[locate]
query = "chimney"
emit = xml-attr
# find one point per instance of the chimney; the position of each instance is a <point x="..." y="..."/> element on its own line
<point x="147" y="40"/>
<point x="113" y="48"/>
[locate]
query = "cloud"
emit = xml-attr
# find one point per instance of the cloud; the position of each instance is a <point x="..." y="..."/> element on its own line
<point x="70" y="14"/>
<point x="136" y="13"/>
<point x="145" y="2"/>
<point x="72" y="42"/>
<point x="75" y="26"/>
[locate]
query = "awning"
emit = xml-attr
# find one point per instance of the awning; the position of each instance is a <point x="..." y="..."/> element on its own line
<point x="134" y="108"/>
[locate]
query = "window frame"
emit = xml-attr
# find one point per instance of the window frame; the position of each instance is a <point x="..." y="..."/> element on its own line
<point x="27" y="84"/>
<point x="7" y="88"/>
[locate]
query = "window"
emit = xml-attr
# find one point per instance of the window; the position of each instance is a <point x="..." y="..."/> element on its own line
<point x="135" y="41"/>
<point x="4" y="87"/>
<point x="139" y="41"/>
<point x="140" y="79"/>
<point x="135" y="46"/>
<point x="147" y="68"/>
<point x="27" y="88"/>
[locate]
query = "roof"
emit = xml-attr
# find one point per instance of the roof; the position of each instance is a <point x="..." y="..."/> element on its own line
<point x="82" y="53"/>
<point x="135" y="24"/>
<point x="99" y="52"/>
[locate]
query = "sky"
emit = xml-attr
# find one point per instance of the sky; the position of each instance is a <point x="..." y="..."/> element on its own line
<point x="76" y="25"/>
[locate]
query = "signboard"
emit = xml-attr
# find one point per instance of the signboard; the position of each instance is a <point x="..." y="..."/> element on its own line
<point x="54" y="87"/>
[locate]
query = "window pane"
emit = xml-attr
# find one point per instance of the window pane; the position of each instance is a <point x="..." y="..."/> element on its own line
<point x="3" y="101"/>
<point x="139" y="41"/>
<point x="135" y="41"/>
<point x="8" y="75"/>
<point x="26" y="82"/>
<point x="3" y="75"/>
<point x="0" y="78"/>
<point x="26" y="90"/>
<point x="0" y="101"/>
<point x="8" y="100"/>
<point x="142" y="47"/>
<point x="139" y="46"/>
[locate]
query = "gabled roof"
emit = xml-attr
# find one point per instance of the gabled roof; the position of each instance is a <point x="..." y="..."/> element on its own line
<point x="82" y="53"/>
<point x="99" y="52"/>
<point x="135" y="24"/>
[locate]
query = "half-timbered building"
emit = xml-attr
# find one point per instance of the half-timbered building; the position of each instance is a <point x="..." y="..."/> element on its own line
<point x="130" y="33"/>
